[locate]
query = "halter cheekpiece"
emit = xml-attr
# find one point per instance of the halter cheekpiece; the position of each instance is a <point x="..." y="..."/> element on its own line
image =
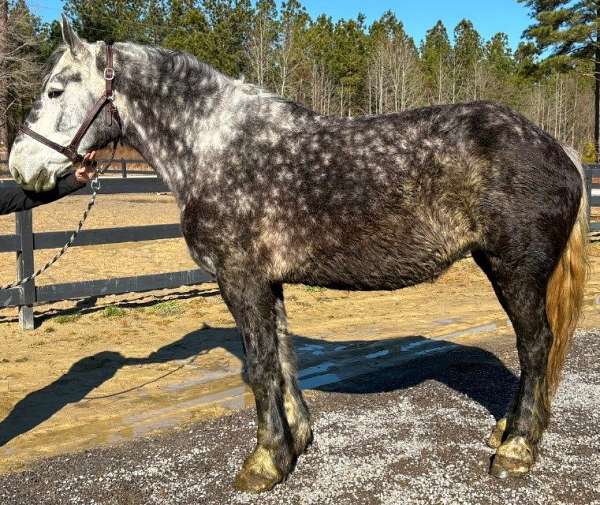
<point x="106" y="100"/>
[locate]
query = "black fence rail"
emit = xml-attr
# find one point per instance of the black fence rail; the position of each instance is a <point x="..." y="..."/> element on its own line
<point x="593" y="188"/>
<point x="119" y="166"/>
<point x="24" y="242"/>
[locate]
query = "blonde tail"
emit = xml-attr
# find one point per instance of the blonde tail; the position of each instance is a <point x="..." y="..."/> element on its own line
<point x="564" y="295"/>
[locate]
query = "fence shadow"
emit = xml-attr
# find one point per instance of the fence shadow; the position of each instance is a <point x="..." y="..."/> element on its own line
<point x="89" y="305"/>
<point x="472" y="371"/>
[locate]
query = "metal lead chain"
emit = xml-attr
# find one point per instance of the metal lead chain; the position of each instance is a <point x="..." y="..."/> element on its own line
<point x="95" y="186"/>
<point x="63" y="250"/>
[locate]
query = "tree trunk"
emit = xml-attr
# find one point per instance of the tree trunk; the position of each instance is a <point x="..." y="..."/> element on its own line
<point x="3" y="77"/>
<point x="597" y="103"/>
<point x="597" y="90"/>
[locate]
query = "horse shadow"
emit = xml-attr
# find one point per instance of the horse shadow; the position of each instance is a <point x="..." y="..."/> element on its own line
<point x="470" y="370"/>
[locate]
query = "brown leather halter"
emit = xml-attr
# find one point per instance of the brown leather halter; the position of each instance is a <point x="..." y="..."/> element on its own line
<point x="107" y="99"/>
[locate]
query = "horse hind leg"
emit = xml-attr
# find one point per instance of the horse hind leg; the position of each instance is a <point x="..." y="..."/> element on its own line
<point x="296" y="410"/>
<point x="543" y="330"/>
<point x="544" y="319"/>
<point x="252" y="303"/>
<point x="516" y="437"/>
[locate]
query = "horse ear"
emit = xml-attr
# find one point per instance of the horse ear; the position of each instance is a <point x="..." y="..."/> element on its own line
<point x="71" y="38"/>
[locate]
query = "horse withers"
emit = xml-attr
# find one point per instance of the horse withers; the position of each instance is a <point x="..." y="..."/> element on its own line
<point x="272" y="193"/>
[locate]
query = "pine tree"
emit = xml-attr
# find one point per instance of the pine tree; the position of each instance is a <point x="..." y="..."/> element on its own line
<point x="109" y="19"/>
<point x="467" y="62"/>
<point x="155" y="21"/>
<point x="502" y="78"/>
<point x="22" y="63"/>
<point x="292" y="24"/>
<point x="50" y="38"/>
<point x="570" y="30"/>
<point x="229" y="31"/>
<point x="263" y="35"/>
<point x="436" y="54"/>
<point x="186" y="29"/>
<point x="393" y="79"/>
<point x="348" y="64"/>
<point x="317" y="65"/>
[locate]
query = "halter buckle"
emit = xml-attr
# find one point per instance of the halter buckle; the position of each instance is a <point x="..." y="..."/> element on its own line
<point x="95" y="184"/>
<point x="109" y="73"/>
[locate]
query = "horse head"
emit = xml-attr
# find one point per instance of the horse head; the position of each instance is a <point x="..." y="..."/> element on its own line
<point x="69" y="92"/>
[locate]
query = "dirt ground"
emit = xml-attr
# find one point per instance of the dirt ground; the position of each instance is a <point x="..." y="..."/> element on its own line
<point x="409" y="432"/>
<point x="102" y="371"/>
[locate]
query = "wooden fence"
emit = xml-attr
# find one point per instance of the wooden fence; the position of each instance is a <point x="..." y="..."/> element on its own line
<point x="593" y="188"/>
<point x="24" y="242"/>
<point x="122" y="163"/>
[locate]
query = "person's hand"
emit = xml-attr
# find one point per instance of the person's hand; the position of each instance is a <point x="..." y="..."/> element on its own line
<point x="87" y="169"/>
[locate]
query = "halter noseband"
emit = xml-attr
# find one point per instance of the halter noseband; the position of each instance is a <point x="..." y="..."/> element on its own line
<point x="107" y="99"/>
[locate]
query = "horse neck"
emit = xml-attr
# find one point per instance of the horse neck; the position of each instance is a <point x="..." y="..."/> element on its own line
<point x="164" y="114"/>
<point x="182" y="120"/>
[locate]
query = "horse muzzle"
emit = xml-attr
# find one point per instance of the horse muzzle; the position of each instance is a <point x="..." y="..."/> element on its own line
<point x="32" y="170"/>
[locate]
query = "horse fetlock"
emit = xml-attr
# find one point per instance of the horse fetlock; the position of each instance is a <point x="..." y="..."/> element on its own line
<point x="514" y="458"/>
<point x="260" y="472"/>
<point x="303" y="437"/>
<point x="495" y="439"/>
<point x="299" y="423"/>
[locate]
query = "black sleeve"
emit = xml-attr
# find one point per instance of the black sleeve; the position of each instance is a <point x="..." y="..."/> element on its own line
<point x="15" y="199"/>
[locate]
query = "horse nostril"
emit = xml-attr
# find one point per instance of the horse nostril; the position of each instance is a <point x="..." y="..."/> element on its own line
<point x="41" y="180"/>
<point x="18" y="178"/>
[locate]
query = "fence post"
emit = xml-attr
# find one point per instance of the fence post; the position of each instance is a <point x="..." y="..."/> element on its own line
<point x="24" y="231"/>
<point x="589" y="184"/>
<point x="124" y="169"/>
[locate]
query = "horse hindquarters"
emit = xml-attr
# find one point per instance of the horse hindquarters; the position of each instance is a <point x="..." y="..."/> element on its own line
<point x="542" y="295"/>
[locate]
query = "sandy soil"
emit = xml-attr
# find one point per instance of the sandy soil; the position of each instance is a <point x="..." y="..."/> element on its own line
<point x="105" y="370"/>
<point x="103" y="261"/>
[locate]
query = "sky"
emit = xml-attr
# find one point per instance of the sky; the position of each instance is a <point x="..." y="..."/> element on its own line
<point x="488" y="16"/>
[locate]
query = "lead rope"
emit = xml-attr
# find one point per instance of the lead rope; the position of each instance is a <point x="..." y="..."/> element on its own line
<point x="95" y="185"/>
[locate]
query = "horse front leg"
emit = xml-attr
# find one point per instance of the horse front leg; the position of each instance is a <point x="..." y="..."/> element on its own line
<point x="296" y="410"/>
<point x="252" y="303"/>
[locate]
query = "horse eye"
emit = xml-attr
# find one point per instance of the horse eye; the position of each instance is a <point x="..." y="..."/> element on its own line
<point x="55" y="93"/>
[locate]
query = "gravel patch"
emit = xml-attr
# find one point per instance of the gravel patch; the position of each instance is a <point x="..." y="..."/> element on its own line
<point x="414" y="438"/>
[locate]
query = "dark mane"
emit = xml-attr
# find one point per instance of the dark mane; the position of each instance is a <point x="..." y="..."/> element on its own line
<point x="162" y="65"/>
<point x="177" y="61"/>
<point x="182" y="71"/>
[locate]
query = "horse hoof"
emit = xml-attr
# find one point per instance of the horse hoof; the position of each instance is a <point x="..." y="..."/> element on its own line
<point x="514" y="458"/>
<point x="250" y="482"/>
<point x="259" y="473"/>
<point x="495" y="439"/>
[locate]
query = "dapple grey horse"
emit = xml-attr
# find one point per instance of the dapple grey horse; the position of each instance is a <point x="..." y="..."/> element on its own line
<point x="272" y="193"/>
